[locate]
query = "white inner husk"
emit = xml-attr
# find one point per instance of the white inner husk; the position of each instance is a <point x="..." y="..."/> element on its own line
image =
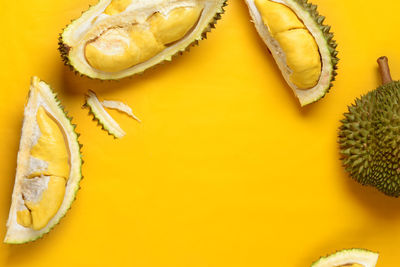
<point x="351" y="256"/>
<point x="103" y="116"/>
<point x="94" y="22"/>
<point x="40" y="95"/>
<point x="312" y="94"/>
<point x="120" y="106"/>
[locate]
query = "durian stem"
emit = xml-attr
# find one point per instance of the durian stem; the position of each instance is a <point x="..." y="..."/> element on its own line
<point x="385" y="70"/>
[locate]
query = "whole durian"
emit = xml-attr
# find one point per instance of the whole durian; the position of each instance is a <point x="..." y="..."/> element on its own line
<point x="369" y="136"/>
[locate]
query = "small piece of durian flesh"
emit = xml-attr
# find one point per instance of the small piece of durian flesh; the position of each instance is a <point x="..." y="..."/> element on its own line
<point x="351" y="265"/>
<point x="117" y="6"/>
<point x="120" y="48"/>
<point x="24" y="218"/>
<point x="174" y="26"/>
<point x="299" y="46"/>
<point x="38" y="214"/>
<point x="278" y="17"/>
<point x="50" y="147"/>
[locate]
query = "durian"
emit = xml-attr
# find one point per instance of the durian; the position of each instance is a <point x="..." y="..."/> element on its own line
<point x="119" y="38"/>
<point x="48" y="167"/>
<point x="103" y="118"/>
<point x="369" y="136"/>
<point x="348" y="258"/>
<point x="302" y="46"/>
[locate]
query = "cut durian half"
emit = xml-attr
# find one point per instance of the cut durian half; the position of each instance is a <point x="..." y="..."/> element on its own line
<point x="349" y="258"/>
<point x="301" y="45"/>
<point x="48" y="167"/>
<point x="119" y="38"/>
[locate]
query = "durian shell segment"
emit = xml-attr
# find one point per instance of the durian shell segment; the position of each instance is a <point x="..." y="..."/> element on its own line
<point x="41" y="95"/>
<point x="347" y="257"/>
<point x="309" y="16"/>
<point x="102" y="117"/>
<point x="94" y="22"/>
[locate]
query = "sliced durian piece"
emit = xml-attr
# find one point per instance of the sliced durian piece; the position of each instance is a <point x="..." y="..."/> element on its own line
<point x="48" y="167"/>
<point x="301" y="45"/>
<point x="349" y="258"/>
<point x="103" y="117"/>
<point x="119" y="38"/>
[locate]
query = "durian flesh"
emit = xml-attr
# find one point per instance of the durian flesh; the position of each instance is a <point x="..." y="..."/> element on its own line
<point x="48" y="167"/>
<point x="301" y="46"/>
<point x="51" y="151"/>
<point x="349" y="258"/>
<point x="296" y="42"/>
<point x="118" y="38"/>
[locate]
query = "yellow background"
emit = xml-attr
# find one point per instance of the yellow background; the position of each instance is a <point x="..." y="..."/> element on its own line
<point x="226" y="168"/>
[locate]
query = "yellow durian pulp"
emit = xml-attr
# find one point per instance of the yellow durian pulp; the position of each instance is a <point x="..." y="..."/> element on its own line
<point x="119" y="48"/>
<point x="298" y="44"/>
<point x="50" y="148"/>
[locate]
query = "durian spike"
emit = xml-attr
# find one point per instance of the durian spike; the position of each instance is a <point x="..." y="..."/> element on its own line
<point x="385" y="70"/>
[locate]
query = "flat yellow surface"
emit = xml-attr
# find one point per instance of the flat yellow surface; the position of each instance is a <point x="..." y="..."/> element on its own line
<point x="226" y="168"/>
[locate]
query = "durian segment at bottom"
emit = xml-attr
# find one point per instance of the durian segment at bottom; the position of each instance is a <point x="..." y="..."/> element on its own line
<point x="48" y="167"/>
<point x="348" y="258"/>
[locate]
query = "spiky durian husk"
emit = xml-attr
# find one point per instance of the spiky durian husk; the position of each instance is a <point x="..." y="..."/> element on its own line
<point x="103" y="122"/>
<point x="328" y="35"/>
<point x="99" y="122"/>
<point x="369" y="139"/>
<point x="348" y="256"/>
<point x="73" y="131"/>
<point x="64" y="49"/>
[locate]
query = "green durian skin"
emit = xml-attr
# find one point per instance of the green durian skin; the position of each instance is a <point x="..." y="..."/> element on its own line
<point x="312" y="10"/>
<point x="369" y="139"/>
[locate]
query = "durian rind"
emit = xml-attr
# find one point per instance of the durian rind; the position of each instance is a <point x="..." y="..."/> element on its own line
<point x="363" y="257"/>
<point x="17" y="234"/>
<point x="65" y="47"/>
<point x="101" y="116"/>
<point x="313" y="21"/>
